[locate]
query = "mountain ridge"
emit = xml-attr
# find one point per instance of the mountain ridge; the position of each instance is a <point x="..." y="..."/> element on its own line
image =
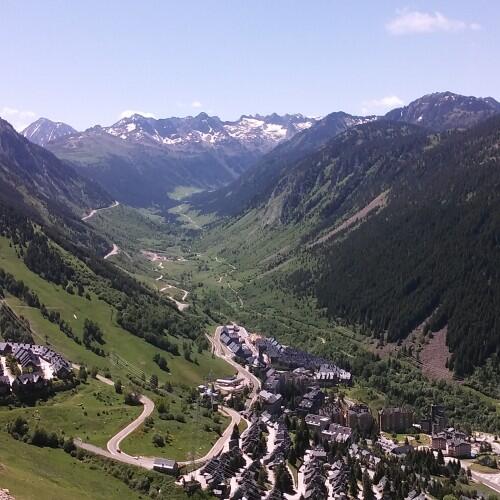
<point x="257" y="182"/>
<point x="139" y="160"/>
<point x="258" y="131"/>
<point x="446" y="110"/>
<point x="436" y="112"/>
<point x="34" y="172"/>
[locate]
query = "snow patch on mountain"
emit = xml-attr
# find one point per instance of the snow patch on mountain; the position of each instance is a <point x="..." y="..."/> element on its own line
<point x="256" y="132"/>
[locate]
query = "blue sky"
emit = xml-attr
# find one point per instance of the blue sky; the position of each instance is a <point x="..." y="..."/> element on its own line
<point x="91" y="61"/>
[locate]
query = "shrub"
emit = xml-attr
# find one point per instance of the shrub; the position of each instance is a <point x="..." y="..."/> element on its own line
<point x="158" y="440"/>
<point x="132" y="398"/>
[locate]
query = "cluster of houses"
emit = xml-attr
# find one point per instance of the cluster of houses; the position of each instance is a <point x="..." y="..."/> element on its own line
<point x="295" y="384"/>
<point x="316" y="368"/>
<point x="262" y="353"/>
<point x="336" y="421"/>
<point x="247" y="486"/>
<point x="328" y="431"/>
<point x="452" y="443"/>
<point x="233" y="338"/>
<point x="280" y="367"/>
<point x="35" y="366"/>
<point x="219" y="470"/>
<point x="250" y="440"/>
<point x="282" y="445"/>
<point x="314" y="476"/>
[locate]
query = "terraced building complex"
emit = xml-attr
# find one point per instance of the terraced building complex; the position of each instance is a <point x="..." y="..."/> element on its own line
<point x="29" y="366"/>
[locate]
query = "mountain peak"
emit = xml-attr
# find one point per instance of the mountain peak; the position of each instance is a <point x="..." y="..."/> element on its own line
<point x="446" y="110"/>
<point x="43" y="131"/>
<point x="257" y="132"/>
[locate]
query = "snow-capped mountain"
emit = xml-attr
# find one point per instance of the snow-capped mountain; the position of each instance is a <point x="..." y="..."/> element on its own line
<point x="267" y="130"/>
<point x="44" y="130"/>
<point x="257" y="132"/>
<point x="141" y="159"/>
<point x="446" y="110"/>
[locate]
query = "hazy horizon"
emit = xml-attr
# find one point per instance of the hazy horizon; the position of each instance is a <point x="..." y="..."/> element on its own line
<point x="98" y="61"/>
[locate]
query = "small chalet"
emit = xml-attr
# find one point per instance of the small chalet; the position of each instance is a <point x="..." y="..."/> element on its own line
<point x="166" y="466"/>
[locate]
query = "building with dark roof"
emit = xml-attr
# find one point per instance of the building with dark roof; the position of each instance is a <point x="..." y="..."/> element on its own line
<point x="4" y="385"/>
<point x="395" y="419"/>
<point x="316" y="422"/>
<point x="334" y="412"/>
<point x="402" y="450"/>
<point x="25" y="356"/>
<point x="311" y="401"/>
<point x="438" y="441"/>
<point x="28" y="382"/>
<point x="30" y="356"/>
<point x="337" y="433"/>
<point x="359" y="416"/>
<point x="452" y="442"/>
<point x="270" y="401"/>
<point x="458" y="448"/>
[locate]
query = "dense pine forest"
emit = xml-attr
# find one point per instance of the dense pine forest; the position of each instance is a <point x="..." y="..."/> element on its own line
<point x="433" y="252"/>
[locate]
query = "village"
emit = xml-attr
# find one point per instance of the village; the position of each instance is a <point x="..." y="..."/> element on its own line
<point x="301" y="434"/>
<point x="294" y="432"/>
<point x="27" y="368"/>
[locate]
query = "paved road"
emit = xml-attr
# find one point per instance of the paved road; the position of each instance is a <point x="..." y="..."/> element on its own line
<point x="484" y="479"/>
<point x="113" y="444"/>
<point x="221" y="351"/>
<point x="221" y="442"/>
<point x="490" y="480"/>
<point x="144" y="462"/>
<point x="114" y="251"/>
<point x="95" y="210"/>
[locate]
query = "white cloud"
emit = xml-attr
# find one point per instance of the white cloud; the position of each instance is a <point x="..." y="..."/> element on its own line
<point x="374" y="106"/>
<point x="196" y="104"/>
<point x="19" y="119"/>
<point x="130" y="112"/>
<point x="408" y="22"/>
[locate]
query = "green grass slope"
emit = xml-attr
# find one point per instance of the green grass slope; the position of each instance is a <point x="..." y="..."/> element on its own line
<point x="75" y="309"/>
<point x="32" y="473"/>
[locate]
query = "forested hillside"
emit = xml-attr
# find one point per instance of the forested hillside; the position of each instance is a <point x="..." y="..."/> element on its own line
<point x="40" y="218"/>
<point x="446" y="110"/>
<point x="345" y="174"/>
<point x="34" y="179"/>
<point x="140" y="174"/>
<point x="433" y="251"/>
<point x="255" y="185"/>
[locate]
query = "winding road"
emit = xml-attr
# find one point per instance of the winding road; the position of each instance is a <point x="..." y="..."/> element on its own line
<point x="114" y="443"/>
<point x="95" y="210"/>
<point x="180" y="305"/>
<point x="221" y="351"/>
<point x="114" y="251"/>
<point x="113" y="446"/>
